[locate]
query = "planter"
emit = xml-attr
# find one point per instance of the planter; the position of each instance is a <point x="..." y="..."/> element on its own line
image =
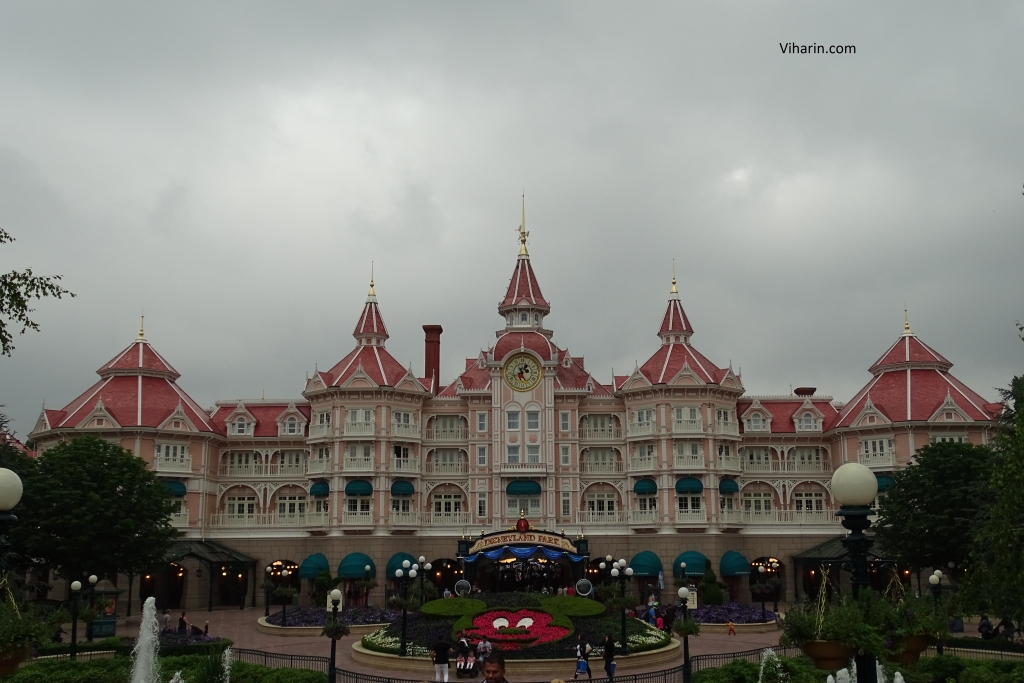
<point x="828" y="655"/>
<point x="912" y="649"/>
<point x="10" y="660"/>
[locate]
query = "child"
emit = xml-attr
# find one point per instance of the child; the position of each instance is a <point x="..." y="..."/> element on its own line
<point x="732" y="629"/>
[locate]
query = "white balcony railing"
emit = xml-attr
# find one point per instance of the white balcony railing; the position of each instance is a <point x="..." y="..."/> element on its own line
<point x="601" y="466"/>
<point x="446" y="518"/>
<point x="447" y="434"/>
<point x="593" y="517"/>
<point x="644" y="517"/>
<point x="405" y="431"/>
<point x="688" y="462"/>
<point x="319" y="431"/>
<point x="161" y="464"/>
<point x="294" y="469"/>
<point x="788" y="517"/>
<point x="407" y="465"/>
<point x="446" y="467"/>
<point x="179" y="519"/>
<point x="360" y="428"/>
<point x="691" y="517"/>
<point x="600" y="433"/>
<point x="318" y="465"/>
<point x="521" y="467"/>
<point x="411" y="518"/>
<point x="759" y="427"/>
<point x="270" y="519"/>
<point x="641" y="428"/>
<point x="729" y="463"/>
<point x="357" y="518"/>
<point x="787" y="466"/>
<point x="883" y="459"/>
<point x="687" y="427"/>
<point x="358" y="464"/>
<point x="646" y="462"/>
<point x="759" y="466"/>
<point x="730" y="516"/>
<point x="726" y="427"/>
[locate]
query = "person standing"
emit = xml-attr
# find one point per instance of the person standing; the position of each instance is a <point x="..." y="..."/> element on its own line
<point x="439" y="654"/>
<point x="609" y="657"/>
<point x="583" y="649"/>
<point x="167" y="620"/>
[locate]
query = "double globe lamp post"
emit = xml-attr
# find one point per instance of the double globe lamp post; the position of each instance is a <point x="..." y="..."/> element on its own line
<point x="684" y="598"/>
<point x="405" y="575"/>
<point x="622" y="574"/>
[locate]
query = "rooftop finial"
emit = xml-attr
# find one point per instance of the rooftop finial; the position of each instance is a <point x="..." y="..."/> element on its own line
<point x="142" y="329"/>
<point x="523" y="234"/>
<point x="906" y="321"/>
<point x="371" y="292"/>
<point x="674" y="290"/>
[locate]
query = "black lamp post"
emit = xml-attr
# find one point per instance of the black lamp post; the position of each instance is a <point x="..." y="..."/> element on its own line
<point x="855" y="487"/>
<point x="761" y="590"/>
<point x="366" y="585"/>
<point x="935" y="583"/>
<point x="92" y="601"/>
<point x="423" y="575"/>
<point x="335" y="601"/>
<point x="284" y="602"/>
<point x="266" y="608"/>
<point x="622" y="573"/>
<point x="684" y="597"/>
<point x="405" y="577"/>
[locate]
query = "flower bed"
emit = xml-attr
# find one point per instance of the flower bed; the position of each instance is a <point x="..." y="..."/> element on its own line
<point x="734" y="612"/>
<point x="315" y="615"/>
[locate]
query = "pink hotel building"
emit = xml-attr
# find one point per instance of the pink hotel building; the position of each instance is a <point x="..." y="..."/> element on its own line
<point x="371" y="461"/>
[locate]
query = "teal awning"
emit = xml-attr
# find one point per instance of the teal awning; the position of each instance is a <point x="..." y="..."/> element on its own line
<point x="523" y="487"/>
<point x="359" y="487"/>
<point x="396" y="563"/>
<point x="734" y="564"/>
<point x="175" y="488"/>
<point x="885" y="482"/>
<point x="689" y="485"/>
<point x="645" y="486"/>
<point x="354" y="566"/>
<point x="696" y="564"/>
<point x="313" y="565"/>
<point x="728" y="486"/>
<point x="645" y="563"/>
<point x="319" y="489"/>
<point x="402" y="488"/>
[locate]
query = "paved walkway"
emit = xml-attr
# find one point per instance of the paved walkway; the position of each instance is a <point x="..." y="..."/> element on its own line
<point x="240" y="627"/>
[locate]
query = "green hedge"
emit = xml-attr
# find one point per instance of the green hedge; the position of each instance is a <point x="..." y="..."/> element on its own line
<point x="118" y="670"/>
<point x="452" y="607"/>
<point x="573" y="606"/>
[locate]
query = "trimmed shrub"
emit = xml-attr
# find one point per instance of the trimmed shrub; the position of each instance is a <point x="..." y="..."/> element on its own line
<point x="452" y="607"/>
<point x="572" y="606"/>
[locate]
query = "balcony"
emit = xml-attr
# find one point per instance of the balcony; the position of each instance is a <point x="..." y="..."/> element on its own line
<point x="359" y="429"/>
<point x="593" y="517"/>
<point x="648" y="517"/>
<point x="643" y="463"/>
<point x="446" y="468"/>
<point x="410" y="518"/>
<point x="404" y="431"/>
<point x="446" y="518"/>
<point x="259" y="470"/>
<point x="601" y="434"/>
<point x="727" y="428"/>
<point x="320" y="431"/>
<point x="787" y="517"/>
<point x="357" y="518"/>
<point x="351" y="464"/>
<point x="447" y="434"/>
<point x="601" y="466"/>
<point x="687" y="427"/>
<point x="730" y="517"/>
<point x="760" y="427"/>
<point x="161" y="464"/>
<point x="318" y="465"/>
<point x="691" y="517"/>
<point x="179" y="519"/>
<point x="882" y="459"/>
<point x="522" y="467"/>
<point x="729" y="463"/>
<point x="405" y="465"/>
<point x="761" y="466"/>
<point x="270" y="519"/>
<point x="688" y="462"/>
<point x="641" y="429"/>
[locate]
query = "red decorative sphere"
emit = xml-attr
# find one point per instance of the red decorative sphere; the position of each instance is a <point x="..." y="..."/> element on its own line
<point x="522" y="526"/>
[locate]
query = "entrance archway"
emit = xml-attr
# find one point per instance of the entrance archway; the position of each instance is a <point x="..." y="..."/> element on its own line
<point x="167" y="585"/>
<point x="767" y="580"/>
<point x="276" y="576"/>
<point x="444" y="573"/>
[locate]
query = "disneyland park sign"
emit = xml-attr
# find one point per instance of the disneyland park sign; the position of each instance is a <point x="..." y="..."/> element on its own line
<point x="523" y="538"/>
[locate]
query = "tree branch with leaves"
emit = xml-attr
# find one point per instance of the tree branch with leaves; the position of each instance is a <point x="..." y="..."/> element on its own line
<point x="17" y="289"/>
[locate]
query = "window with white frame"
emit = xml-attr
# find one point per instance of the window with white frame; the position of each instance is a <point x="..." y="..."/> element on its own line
<point x="647" y="503"/>
<point x="808" y="422"/>
<point x="291" y="505"/>
<point x="172" y="451"/>
<point x="321" y="505"/>
<point x="357" y="505"/>
<point x="563" y="420"/>
<point x="601" y="503"/>
<point x="724" y="415"/>
<point x="446" y="504"/>
<point x="240" y="426"/>
<point x="947" y="438"/>
<point x="292" y="460"/>
<point x="532" y="420"/>
<point x="481" y="422"/>
<point x="688" y="503"/>
<point x="807" y="457"/>
<point x="685" y="413"/>
<point x="757" y="501"/>
<point x="240" y="505"/>
<point x="323" y="418"/>
<point x="401" y="504"/>
<point x="401" y="454"/>
<point x="360" y="451"/>
<point x="447" y="459"/>
<point x="513" y="419"/>
<point x="360" y="415"/>
<point x="565" y="456"/>
<point x="645" y="451"/>
<point x="291" y="425"/>
<point x="323" y="453"/>
<point x="808" y="501"/>
<point x="726" y="501"/>
<point x="533" y="454"/>
<point x="513" y="455"/>
<point x="241" y="458"/>
<point x="481" y="504"/>
<point x="876" y="448"/>
<point x="756" y="423"/>
<point x="724" y="450"/>
<point x="177" y="505"/>
<point x="481" y="456"/>
<point x="402" y="418"/>
<point x="566" y="504"/>
<point x="688" y="449"/>
<point x="643" y="415"/>
<point x="529" y="505"/>
<point x="757" y="456"/>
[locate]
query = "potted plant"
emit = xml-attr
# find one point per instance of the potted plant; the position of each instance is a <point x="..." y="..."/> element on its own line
<point x="335" y="629"/>
<point x="686" y="627"/>
<point x="913" y="622"/>
<point x="831" y="632"/>
<point x="19" y="630"/>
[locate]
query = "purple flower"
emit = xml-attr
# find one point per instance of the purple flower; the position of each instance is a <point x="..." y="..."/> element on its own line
<point x="734" y="612"/>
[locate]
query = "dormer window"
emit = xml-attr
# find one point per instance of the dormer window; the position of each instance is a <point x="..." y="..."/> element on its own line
<point x="240" y="426"/>
<point x="524" y="318"/>
<point x="536" y="319"/>
<point x="291" y="426"/>
<point x="808" y="422"/>
<point x="756" y="422"/>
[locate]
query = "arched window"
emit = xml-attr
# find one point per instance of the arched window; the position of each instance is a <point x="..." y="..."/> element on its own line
<point x="293" y="426"/>
<point x="808" y="421"/>
<point x="240" y="425"/>
<point x="524" y="318"/>
<point x="756" y="423"/>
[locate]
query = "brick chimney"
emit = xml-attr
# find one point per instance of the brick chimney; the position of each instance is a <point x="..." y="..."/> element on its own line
<point x="432" y="354"/>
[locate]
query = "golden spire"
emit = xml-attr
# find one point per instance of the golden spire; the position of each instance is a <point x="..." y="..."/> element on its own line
<point x="523" y="234"/>
<point x="674" y="290"/>
<point x="371" y="293"/>
<point x="142" y="329"/>
<point x="906" y="322"/>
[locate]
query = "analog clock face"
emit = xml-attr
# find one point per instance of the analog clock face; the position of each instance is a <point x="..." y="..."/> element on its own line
<point x="522" y="372"/>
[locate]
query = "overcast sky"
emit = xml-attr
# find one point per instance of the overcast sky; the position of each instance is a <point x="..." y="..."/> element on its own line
<point x="232" y="169"/>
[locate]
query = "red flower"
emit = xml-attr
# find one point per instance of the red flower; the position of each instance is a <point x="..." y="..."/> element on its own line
<point x="494" y="626"/>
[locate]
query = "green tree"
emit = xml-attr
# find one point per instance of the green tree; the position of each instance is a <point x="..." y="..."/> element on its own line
<point x="710" y="589"/>
<point x="935" y="509"/>
<point x="17" y="288"/>
<point x="91" y="507"/>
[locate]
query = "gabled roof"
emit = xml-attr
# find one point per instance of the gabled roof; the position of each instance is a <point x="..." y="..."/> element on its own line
<point x="265" y="414"/>
<point x="908" y="349"/>
<point x="138" y="357"/>
<point x="675" y="321"/>
<point x="783" y="411"/>
<point x="523" y="288"/>
<point x="673" y="357"/>
<point x="370" y="322"/>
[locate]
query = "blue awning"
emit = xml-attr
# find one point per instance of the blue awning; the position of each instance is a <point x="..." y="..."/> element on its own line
<point x="359" y="487"/>
<point x="313" y="565"/>
<point x="320" y="489"/>
<point x="696" y="564"/>
<point x="645" y="486"/>
<point x="354" y="566"/>
<point x="402" y="488"/>
<point x="734" y="564"/>
<point x="689" y="485"/>
<point x="885" y="482"/>
<point x="728" y="486"/>
<point x="645" y="563"/>
<point x="396" y="563"/>
<point x="175" y="488"/>
<point x="523" y="487"/>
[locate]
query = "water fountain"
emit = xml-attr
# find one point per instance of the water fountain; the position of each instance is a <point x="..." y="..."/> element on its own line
<point x="145" y="666"/>
<point x="772" y="670"/>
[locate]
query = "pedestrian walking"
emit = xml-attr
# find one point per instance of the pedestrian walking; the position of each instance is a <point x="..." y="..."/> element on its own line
<point x="732" y="629"/>
<point x="609" y="657"/>
<point x="439" y="654"/>
<point x="583" y="649"/>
